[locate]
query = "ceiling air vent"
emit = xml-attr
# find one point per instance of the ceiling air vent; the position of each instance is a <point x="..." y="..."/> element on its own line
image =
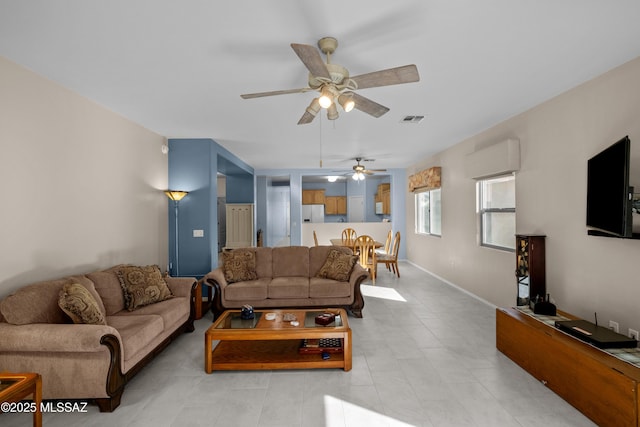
<point x="412" y="119"/>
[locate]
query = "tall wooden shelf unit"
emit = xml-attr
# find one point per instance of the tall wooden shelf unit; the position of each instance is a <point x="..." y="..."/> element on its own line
<point x="530" y="268"/>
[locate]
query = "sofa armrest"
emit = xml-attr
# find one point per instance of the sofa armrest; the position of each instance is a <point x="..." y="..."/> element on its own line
<point x="216" y="276"/>
<point x="181" y="286"/>
<point x="53" y="337"/>
<point x="358" y="274"/>
<point x="216" y="280"/>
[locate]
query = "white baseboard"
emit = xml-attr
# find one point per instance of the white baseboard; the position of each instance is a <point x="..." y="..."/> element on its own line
<point x="453" y="285"/>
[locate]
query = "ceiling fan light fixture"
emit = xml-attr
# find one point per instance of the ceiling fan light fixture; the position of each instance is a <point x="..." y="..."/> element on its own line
<point x="346" y="100"/>
<point x="332" y="112"/>
<point x="358" y="176"/>
<point x="326" y="98"/>
<point x="314" y="107"/>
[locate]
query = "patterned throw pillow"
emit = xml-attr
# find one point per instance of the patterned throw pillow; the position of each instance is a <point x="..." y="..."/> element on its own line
<point x="78" y="303"/>
<point x="142" y="286"/>
<point x="239" y="265"/>
<point x="338" y="266"/>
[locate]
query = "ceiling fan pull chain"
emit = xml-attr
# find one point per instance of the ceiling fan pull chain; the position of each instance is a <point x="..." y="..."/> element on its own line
<point x="320" y="124"/>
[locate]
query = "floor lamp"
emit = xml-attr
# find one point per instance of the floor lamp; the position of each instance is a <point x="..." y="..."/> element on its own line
<point x="176" y="196"/>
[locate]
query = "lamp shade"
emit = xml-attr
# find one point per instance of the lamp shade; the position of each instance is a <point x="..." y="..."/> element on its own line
<point x="332" y="112"/>
<point x="176" y="196"/>
<point x="346" y="100"/>
<point x="326" y="97"/>
<point x="314" y="107"/>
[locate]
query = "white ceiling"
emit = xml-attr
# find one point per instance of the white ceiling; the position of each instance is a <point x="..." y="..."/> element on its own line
<point x="179" y="67"/>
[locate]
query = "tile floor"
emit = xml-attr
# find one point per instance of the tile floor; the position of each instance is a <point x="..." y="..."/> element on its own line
<point x="424" y="355"/>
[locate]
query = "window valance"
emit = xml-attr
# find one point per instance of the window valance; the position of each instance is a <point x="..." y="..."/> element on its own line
<point x="426" y="179"/>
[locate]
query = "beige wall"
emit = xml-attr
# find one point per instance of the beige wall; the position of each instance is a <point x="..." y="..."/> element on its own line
<point x="81" y="185"/>
<point x="585" y="274"/>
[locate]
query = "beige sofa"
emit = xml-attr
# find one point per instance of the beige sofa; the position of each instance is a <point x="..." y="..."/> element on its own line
<point x="289" y="277"/>
<point x="89" y="361"/>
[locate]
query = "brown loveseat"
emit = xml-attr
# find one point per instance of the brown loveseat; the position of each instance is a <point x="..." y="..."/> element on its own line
<point x="289" y="276"/>
<point x="92" y="361"/>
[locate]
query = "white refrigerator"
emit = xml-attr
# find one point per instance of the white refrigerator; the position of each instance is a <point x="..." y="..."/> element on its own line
<point x="312" y="213"/>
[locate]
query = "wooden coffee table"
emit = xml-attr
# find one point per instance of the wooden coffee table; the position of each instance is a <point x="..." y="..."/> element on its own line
<point x="262" y="344"/>
<point x="15" y="387"/>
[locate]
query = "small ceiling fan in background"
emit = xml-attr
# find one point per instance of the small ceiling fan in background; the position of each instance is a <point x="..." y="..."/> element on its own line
<point x="359" y="170"/>
<point x="335" y="85"/>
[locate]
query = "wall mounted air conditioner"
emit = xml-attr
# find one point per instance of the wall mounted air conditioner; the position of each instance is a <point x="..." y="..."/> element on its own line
<point x="497" y="159"/>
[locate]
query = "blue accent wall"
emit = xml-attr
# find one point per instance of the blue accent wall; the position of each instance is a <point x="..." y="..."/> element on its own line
<point x="193" y="167"/>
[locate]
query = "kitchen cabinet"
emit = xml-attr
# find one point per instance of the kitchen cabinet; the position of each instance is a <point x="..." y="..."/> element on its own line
<point x="313" y="197"/>
<point x="335" y="205"/>
<point x="384" y="196"/>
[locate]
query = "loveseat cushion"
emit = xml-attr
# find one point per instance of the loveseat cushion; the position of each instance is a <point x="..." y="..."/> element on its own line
<point x="142" y="286"/>
<point x="264" y="262"/>
<point x="173" y="311"/>
<point x="251" y="290"/>
<point x="239" y="265"/>
<point x="78" y="303"/>
<point x="290" y="261"/>
<point x="108" y="287"/>
<point x="289" y="287"/>
<point x="38" y="302"/>
<point x="136" y="331"/>
<point x="327" y="288"/>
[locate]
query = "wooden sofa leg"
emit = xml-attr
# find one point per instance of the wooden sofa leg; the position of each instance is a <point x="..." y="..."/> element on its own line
<point x="109" y="404"/>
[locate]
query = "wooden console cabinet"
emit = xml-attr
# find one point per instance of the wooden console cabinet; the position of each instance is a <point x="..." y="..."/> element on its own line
<point x="601" y="386"/>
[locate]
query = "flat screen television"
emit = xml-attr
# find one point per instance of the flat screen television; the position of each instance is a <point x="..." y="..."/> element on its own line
<point x="609" y="196"/>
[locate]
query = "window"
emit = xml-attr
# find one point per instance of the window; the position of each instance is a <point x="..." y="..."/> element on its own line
<point x="428" y="216"/>
<point x="497" y="211"/>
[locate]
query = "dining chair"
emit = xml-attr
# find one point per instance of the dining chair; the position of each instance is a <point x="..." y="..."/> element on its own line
<point x="315" y="237"/>
<point x="365" y="248"/>
<point x="349" y="234"/>
<point x="387" y="245"/>
<point x="391" y="259"/>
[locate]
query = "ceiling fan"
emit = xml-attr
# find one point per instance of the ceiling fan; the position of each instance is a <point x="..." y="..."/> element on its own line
<point x="335" y="85"/>
<point x="359" y="171"/>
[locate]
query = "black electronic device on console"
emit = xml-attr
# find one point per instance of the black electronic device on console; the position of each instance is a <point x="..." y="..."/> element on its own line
<point x="597" y="335"/>
<point x="545" y="307"/>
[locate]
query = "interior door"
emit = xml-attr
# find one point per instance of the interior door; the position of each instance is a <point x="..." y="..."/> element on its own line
<point x="355" y="209"/>
<point x="278" y="216"/>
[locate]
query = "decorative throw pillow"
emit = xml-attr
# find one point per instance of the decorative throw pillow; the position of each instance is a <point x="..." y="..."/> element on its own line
<point x="239" y="265"/>
<point x="142" y="286"/>
<point x="78" y="303"/>
<point x="338" y="266"/>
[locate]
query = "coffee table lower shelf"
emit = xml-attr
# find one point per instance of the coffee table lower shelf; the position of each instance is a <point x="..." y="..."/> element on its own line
<point x="268" y="355"/>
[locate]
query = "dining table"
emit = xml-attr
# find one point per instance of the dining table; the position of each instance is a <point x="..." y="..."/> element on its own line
<point x="351" y="243"/>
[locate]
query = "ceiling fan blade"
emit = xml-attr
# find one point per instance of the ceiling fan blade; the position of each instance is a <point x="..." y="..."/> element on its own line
<point x="275" y="92"/>
<point x="377" y="170"/>
<point x="311" y="58"/>
<point x="307" y="117"/>
<point x="368" y="106"/>
<point x="391" y="76"/>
